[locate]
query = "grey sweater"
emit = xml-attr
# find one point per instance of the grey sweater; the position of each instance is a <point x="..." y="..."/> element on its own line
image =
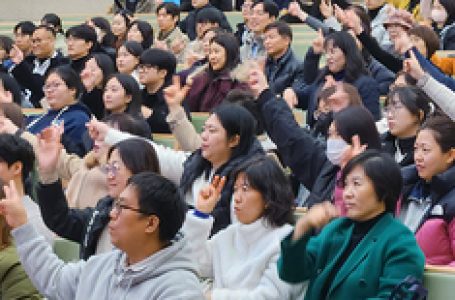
<point x="439" y="93"/>
<point x="167" y="274"/>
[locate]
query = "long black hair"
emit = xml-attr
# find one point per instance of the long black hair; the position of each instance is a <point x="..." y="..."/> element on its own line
<point x="355" y="65"/>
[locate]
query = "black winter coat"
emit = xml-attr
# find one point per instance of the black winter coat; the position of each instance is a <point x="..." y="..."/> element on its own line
<point x="83" y="226"/>
<point x="300" y="151"/>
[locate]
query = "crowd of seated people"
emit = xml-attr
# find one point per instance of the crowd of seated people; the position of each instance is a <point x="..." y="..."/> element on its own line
<point x="219" y="215"/>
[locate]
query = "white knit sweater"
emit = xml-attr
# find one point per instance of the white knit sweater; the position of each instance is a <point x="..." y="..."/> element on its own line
<point x="240" y="259"/>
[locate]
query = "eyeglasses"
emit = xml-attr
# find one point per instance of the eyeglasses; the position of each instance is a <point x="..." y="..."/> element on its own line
<point x="51" y="86"/>
<point x="393" y="108"/>
<point x="110" y="169"/>
<point x="118" y="206"/>
<point x="244" y="187"/>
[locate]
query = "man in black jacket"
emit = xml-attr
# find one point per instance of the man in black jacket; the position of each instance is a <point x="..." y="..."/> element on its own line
<point x="31" y="75"/>
<point x="156" y="68"/>
<point x="283" y="70"/>
<point x="188" y="25"/>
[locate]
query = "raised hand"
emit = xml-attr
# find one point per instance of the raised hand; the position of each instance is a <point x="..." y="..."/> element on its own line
<point x="209" y="195"/>
<point x="340" y="14"/>
<point x="295" y="10"/>
<point x="97" y="129"/>
<point x="257" y="81"/>
<point x="290" y="97"/>
<point x="326" y="8"/>
<point x="174" y="94"/>
<point x="88" y="79"/>
<point x="318" y="43"/>
<point x="412" y="66"/>
<point x="355" y="148"/>
<point x="402" y="43"/>
<point x="7" y="126"/>
<point x="317" y="217"/>
<point x="11" y="206"/>
<point x="353" y="22"/>
<point x="49" y="147"/>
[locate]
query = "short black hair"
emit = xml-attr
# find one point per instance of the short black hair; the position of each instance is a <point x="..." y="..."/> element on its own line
<point x="384" y="173"/>
<point x="125" y="122"/>
<point x="443" y="129"/>
<point x="265" y="176"/>
<point x="6" y="43"/>
<point x="83" y="32"/>
<point x="103" y="24"/>
<point x="134" y="48"/>
<point x="357" y="120"/>
<point x="146" y="31"/>
<point x="16" y="149"/>
<point x="162" y="59"/>
<point x="27" y="27"/>
<point x="47" y="28"/>
<point x="270" y="7"/>
<point x="170" y="8"/>
<point x="247" y="99"/>
<point x="209" y="15"/>
<point x="159" y="196"/>
<point x="69" y="77"/>
<point x="137" y="155"/>
<point x="413" y="99"/>
<point x="283" y="28"/>
<point x="54" y="21"/>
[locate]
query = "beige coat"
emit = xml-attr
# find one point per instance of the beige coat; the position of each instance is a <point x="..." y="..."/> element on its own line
<point x="86" y="184"/>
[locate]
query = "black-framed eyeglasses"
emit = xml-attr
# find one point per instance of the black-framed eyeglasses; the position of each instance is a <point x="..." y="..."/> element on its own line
<point x="119" y="206"/>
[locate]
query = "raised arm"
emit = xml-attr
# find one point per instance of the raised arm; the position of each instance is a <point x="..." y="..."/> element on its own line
<point x="48" y="273"/>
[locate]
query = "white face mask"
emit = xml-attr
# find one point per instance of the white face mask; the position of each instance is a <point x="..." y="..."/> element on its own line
<point x="439" y="15"/>
<point x="335" y="150"/>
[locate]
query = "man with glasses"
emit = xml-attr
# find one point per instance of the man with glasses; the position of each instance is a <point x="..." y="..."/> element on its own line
<point x="151" y="260"/>
<point x="262" y="14"/>
<point x="31" y="75"/>
<point x="156" y="68"/>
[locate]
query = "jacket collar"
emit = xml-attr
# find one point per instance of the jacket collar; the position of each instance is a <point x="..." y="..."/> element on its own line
<point x="360" y="252"/>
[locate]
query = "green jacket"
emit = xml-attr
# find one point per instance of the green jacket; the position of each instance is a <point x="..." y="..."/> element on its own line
<point x="384" y="257"/>
<point x="15" y="283"/>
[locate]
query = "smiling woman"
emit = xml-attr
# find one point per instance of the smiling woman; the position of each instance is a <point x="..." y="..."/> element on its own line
<point x="338" y="259"/>
<point x="427" y="206"/>
<point x="209" y="88"/>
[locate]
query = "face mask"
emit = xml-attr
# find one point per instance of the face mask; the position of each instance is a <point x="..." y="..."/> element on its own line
<point x="439" y="15"/>
<point x="335" y="150"/>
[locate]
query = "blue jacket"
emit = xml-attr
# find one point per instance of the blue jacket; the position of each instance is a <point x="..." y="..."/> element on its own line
<point x="375" y="266"/>
<point x="74" y="116"/>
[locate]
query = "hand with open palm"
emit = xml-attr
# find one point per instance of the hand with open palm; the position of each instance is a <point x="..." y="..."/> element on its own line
<point x="11" y="206"/>
<point x="49" y="147"/>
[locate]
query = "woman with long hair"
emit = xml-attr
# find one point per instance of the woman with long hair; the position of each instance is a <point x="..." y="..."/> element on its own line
<point x="210" y="86"/>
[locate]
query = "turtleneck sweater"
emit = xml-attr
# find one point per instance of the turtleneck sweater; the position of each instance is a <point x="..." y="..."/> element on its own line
<point x="240" y="259"/>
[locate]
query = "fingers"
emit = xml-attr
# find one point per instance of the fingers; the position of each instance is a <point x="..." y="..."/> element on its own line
<point x="176" y="81"/>
<point x="218" y="183"/>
